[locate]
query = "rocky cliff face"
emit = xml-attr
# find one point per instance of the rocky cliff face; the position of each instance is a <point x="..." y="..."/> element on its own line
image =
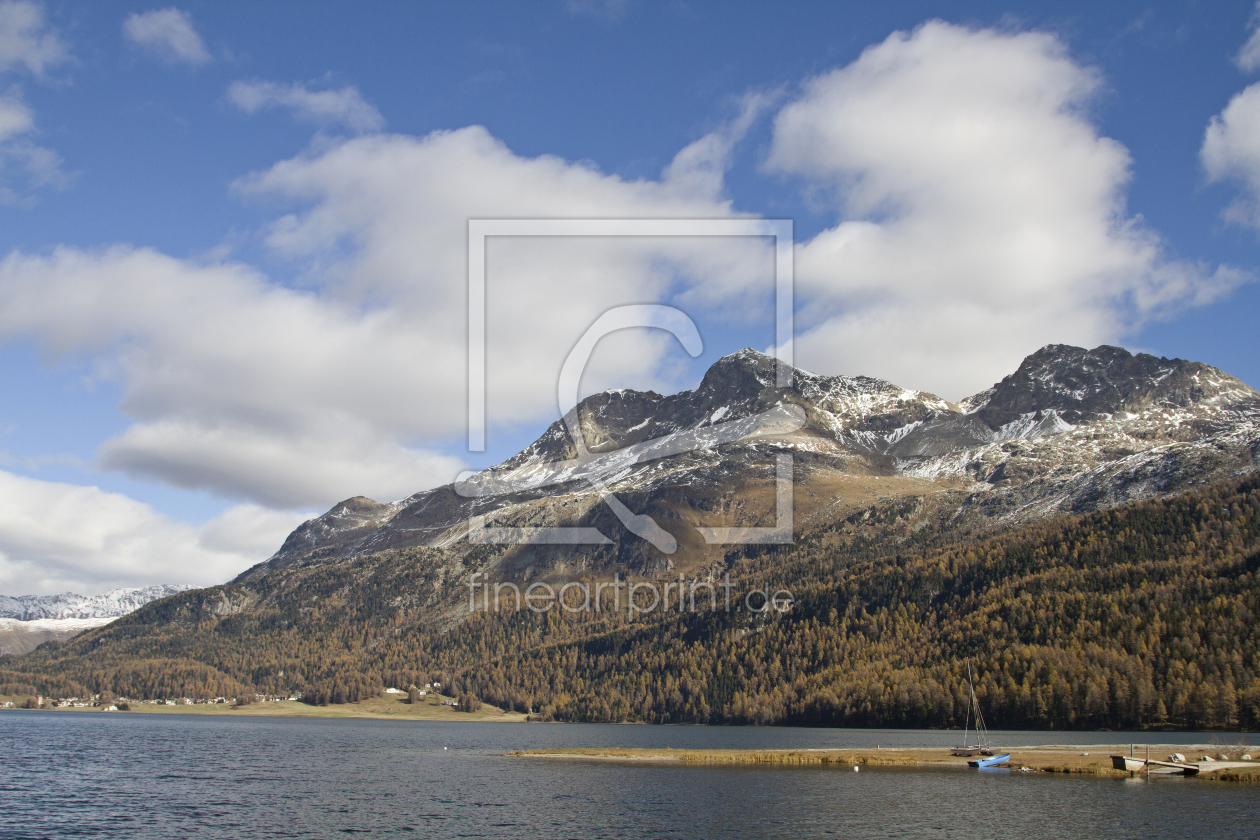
<point x="1071" y="430"/>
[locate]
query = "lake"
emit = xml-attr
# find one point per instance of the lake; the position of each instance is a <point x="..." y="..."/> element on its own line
<point x="89" y="774"/>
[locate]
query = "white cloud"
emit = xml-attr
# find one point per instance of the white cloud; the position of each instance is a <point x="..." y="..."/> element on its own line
<point x="388" y="221"/>
<point x="57" y="537"/>
<point x="25" y="41"/>
<point x="167" y="34"/>
<point x="237" y="386"/>
<point x="344" y="106"/>
<point x="24" y="165"/>
<point x="42" y="166"/>
<point x="982" y="215"/>
<point x="25" y="38"/>
<point x="351" y="386"/>
<point x="1231" y="151"/>
<point x="1248" y="58"/>
<point x="700" y="168"/>
<point x="1231" y="143"/>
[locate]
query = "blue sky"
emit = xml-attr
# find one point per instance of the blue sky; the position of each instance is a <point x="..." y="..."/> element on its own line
<point x="232" y="281"/>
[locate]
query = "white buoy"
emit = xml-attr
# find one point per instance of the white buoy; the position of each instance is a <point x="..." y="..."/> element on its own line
<point x="443" y="747"/>
<point x="855" y="768"/>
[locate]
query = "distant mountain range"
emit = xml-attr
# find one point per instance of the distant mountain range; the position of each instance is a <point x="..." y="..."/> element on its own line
<point x="1071" y="431"/>
<point x="112" y="604"/>
<point x="30" y="620"/>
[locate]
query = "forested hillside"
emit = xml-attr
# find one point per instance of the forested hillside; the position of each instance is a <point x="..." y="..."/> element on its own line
<point x="1135" y="617"/>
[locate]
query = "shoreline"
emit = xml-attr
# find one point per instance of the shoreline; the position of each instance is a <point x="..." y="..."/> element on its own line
<point x="390" y="708"/>
<point x="1088" y="760"/>
<point x="373" y="708"/>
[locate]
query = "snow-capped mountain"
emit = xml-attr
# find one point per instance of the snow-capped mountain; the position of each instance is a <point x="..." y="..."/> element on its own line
<point x="112" y="604"/>
<point x="30" y="620"/>
<point x="1071" y="430"/>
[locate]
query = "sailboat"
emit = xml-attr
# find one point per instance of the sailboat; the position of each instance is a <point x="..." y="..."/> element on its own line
<point x="981" y="745"/>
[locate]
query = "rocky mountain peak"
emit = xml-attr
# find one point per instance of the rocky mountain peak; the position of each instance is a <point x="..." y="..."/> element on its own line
<point x="735" y="386"/>
<point x="358" y="507"/>
<point x="1079" y="385"/>
<point x="345" y="523"/>
<point x="741" y="374"/>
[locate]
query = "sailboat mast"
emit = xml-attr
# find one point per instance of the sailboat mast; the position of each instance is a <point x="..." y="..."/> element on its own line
<point x="982" y="731"/>
<point x="967" y="719"/>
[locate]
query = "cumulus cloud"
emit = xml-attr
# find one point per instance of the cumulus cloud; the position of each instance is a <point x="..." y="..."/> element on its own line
<point x="26" y="39"/>
<point x="343" y="106"/>
<point x="167" y="34"/>
<point x="981" y="215"/>
<point x="56" y="537"/>
<point x="238" y="386"/>
<point x="387" y="219"/>
<point x="352" y="384"/>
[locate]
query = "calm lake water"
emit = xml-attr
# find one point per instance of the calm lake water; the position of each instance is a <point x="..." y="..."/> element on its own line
<point x="66" y="774"/>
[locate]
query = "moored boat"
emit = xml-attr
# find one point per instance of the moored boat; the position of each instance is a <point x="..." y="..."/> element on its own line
<point x="989" y="762"/>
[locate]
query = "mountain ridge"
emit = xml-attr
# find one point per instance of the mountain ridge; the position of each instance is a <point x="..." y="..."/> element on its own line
<point x="1070" y="430"/>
